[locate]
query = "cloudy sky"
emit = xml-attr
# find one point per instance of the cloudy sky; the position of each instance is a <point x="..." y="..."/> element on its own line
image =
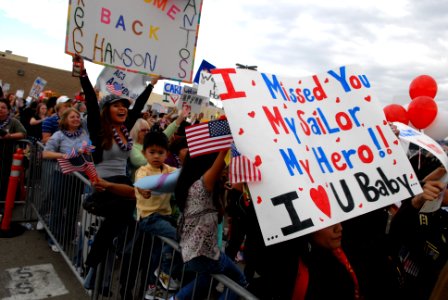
<point x="394" y="41"/>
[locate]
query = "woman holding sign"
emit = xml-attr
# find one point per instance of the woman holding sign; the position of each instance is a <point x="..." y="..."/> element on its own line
<point x="109" y="124"/>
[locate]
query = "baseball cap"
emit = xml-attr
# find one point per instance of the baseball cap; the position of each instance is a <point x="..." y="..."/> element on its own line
<point x="111" y="98"/>
<point x="63" y="99"/>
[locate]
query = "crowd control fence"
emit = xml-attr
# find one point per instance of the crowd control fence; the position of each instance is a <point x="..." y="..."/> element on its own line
<point x="127" y="266"/>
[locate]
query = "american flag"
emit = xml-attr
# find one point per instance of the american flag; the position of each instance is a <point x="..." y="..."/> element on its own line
<point x="115" y="88"/>
<point x="80" y="163"/>
<point x="241" y="169"/>
<point x="204" y="138"/>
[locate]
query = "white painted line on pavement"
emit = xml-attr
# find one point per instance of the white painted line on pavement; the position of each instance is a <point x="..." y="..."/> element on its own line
<point x="34" y="283"/>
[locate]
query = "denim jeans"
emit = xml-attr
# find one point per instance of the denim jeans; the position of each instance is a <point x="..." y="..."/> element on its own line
<point x="206" y="266"/>
<point x="157" y="224"/>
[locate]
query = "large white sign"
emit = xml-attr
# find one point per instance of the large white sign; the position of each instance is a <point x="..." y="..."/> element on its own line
<point x="150" y="37"/>
<point x="324" y="148"/>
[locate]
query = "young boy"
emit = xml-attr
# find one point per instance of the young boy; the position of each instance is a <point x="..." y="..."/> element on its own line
<point x="154" y="209"/>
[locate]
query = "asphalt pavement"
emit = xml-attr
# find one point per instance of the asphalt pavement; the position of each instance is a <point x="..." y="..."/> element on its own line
<point x="30" y="270"/>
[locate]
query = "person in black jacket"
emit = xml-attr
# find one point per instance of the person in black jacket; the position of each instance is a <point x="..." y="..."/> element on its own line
<point x="109" y="123"/>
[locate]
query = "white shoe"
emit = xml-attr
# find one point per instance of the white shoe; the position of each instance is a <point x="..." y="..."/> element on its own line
<point x="54" y="248"/>
<point x="39" y="225"/>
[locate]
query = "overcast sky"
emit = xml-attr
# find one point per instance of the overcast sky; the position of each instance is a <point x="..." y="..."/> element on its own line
<point x="394" y="40"/>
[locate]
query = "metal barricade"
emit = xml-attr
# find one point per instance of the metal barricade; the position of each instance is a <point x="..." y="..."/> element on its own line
<point x="129" y="261"/>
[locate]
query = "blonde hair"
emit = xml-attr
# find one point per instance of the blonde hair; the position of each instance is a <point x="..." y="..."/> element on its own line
<point x="63" y="122"/>
<point x="139" y="124"/>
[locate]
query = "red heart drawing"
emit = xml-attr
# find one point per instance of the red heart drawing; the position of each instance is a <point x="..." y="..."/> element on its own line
<point x="314" y="113"/>
<point x="253" y="82"/>
<point x="275" y="140"/>
<point x="251" y="114"/>
<point x="338" y="100"/>
<point x="257" y="160"/>
<point x="320" y="199"/>
<point x="259" y="200"/>
<point x="395" y="162"/>
<point x="174" y="98"/>
<point x="367" y="98"/>
<point x="285" y="106"/>
<point x="241" y="131"/>
<point x="384" y="122"/>
<point x="338" y="140"/>
<point x="396" y="142"/>
<point x="300" y="189"/>
<point x="360" y="205"/>
<point x="326" y="80"/>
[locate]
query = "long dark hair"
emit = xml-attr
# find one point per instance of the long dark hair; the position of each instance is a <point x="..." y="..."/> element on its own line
<point x="106" y="133"/>
<point x="192" y="170"/>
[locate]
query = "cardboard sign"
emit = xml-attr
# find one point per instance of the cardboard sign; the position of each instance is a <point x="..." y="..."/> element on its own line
<point x="20" y="93"/>
<point x="207" y="86"/>
<point x="193" y="102"/>
<point x="38" y="87"/>
<point x="204" y="66"/>
<point x="132" y="84"/>
<point x="170" y="88"/>
<point x="150" y="37"/>
<point x="6" y="87"/>
<point x="411" y="135"/>
<point x="324" y="148"/>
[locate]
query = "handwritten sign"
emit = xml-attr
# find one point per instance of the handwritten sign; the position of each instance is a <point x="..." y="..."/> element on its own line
<point x="132" y="84"/>
<point x="207" y="86"/>
<point x="424" y="141"/>
<point x="6" y="87"/>
<point x="204" y="66"/>
<point x="411" y="135"/>
<point x="150" y="37"/>
<point x="324" y="148"/>
<point x="38" y="87"/>
<point x="193" y="102"/>
<point x="170" y="88"/>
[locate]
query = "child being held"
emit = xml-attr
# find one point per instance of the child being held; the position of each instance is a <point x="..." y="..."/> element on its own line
<point x="154" y="209"/>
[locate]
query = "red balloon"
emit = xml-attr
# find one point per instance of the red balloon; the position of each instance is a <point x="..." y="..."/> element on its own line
<point x="422" y="111"/>
<point x="423" y="85"/>
<point x="396" y="113"/>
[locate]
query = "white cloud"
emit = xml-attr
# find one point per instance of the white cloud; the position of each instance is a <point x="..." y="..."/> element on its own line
<point x="394" y="41"/>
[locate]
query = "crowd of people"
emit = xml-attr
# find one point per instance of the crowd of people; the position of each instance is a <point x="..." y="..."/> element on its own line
<point x="396" y="252"/>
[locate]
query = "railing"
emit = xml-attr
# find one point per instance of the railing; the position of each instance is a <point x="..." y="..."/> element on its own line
<point x="128" y="265"/>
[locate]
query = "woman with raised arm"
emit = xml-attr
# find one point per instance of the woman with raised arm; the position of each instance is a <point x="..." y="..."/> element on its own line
<point x="109" y="123"/>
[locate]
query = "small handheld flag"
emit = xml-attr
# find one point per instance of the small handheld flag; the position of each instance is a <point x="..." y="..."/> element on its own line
<point x="208" y="137"/>
<point x="242" y="169"/>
